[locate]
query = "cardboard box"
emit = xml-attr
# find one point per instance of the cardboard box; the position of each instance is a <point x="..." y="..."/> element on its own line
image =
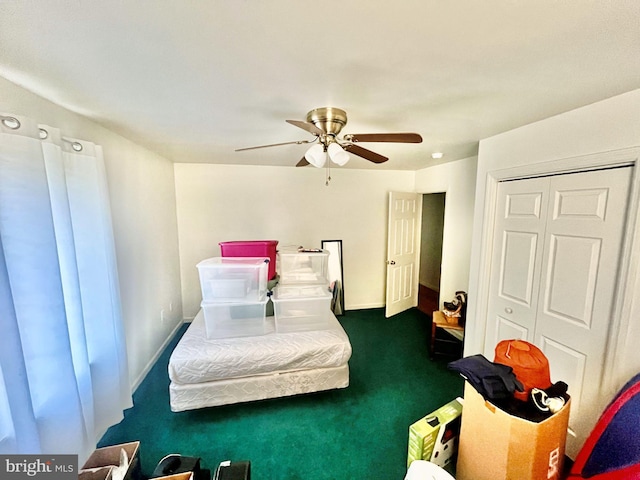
<point x="434" y="437"/>
<point x="177" y="476"/>
<point x="110" y="457"/>
<point x="103" y="473"/>
<point x="497" y="446"/>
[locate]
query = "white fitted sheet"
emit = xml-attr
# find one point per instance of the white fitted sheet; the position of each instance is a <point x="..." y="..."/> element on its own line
<point x="198" y="359"/>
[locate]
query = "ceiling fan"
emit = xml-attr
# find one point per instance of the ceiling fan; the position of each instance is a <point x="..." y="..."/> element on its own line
<point x="325" y="124"/>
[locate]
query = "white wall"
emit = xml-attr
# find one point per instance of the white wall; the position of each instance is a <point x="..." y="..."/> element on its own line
<point x="218" y="203"/>
<point x="142" y="194"/>
<point x="457" y="179"/>
<point x="609" y="125"/>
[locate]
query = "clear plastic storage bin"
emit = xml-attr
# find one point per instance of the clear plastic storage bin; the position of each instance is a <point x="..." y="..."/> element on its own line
<point x="252" y="248"/>
<point x="233" y="279"/>
<point x="297" y="267"/>
<point x="224" y="320"/>
<point x="301" y="308"/>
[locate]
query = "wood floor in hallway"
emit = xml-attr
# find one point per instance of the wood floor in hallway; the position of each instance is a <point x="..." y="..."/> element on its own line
<point x="428" y="300"/>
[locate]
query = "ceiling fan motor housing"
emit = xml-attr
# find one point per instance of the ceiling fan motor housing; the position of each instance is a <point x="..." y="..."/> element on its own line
<point x="328" y="119"/>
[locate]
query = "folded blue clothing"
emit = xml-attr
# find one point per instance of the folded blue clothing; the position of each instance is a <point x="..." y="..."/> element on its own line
<point x="493" y="381"/>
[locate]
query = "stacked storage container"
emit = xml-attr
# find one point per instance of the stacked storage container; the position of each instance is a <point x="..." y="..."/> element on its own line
<point x="234" y="296"/>
<point x="252" y="248"/>
<point x="301" y="299"/>
<point x="255" y="248"/>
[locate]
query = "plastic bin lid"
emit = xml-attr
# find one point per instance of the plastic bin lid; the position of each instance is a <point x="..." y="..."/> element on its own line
<point x="249" y="242"/>
<point x="204" y="304"/>
<point x="306" y="253"/>
<point x="224" y="262"/>
<point x="282" y="292"/>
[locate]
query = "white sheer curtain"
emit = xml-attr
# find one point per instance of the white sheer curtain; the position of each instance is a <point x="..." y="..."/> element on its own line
<point x="63" y="365"/>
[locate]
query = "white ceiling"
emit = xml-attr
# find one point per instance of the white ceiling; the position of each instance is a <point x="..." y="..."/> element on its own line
<point x="194" y="80"/>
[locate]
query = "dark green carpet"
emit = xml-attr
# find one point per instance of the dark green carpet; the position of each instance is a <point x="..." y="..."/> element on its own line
<point x="358" y="432"/>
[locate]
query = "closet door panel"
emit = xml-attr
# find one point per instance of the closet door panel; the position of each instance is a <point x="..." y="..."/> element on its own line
<point x="582" y="243"/>
<point x="572" y="271"/>
<point x="508" y="329"/>
<point x="569" y="366"/>
<point x="516" y="260"/>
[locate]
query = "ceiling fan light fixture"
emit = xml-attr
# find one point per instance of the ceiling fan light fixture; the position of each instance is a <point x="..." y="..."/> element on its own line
<point x="316" y="155"/>
<point x="337" y="154"/>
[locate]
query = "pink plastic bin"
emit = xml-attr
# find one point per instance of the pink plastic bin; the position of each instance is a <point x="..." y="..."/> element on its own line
<point x="253" y="248"/>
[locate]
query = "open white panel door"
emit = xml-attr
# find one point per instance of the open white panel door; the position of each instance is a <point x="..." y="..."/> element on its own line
<point x="403" y="251"/>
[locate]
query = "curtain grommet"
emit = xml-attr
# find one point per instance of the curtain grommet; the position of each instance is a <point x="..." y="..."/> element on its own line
<point x="11" y="122"/>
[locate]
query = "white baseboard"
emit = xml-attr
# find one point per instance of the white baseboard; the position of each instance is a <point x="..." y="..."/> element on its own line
<point x="364" y="306"/>
<point x="154" y="359"/>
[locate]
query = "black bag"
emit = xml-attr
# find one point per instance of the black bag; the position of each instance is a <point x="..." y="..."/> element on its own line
<point x="233" y="471"/>
<point x="172" y="464"/>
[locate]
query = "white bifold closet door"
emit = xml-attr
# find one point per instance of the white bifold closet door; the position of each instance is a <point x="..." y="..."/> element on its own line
<point x="555" y="260"/>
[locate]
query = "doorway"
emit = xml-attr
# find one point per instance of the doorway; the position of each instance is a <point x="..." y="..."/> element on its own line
<point x="432" y="229"/>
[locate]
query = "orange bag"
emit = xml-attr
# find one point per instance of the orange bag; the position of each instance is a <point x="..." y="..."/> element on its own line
<point x="529" y="364"/>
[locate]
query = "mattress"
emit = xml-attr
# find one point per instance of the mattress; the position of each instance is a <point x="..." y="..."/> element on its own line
<point x="208" y="372"/>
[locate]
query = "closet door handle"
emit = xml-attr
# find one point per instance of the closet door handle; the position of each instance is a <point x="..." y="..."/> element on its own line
<point x="508" y="310"/>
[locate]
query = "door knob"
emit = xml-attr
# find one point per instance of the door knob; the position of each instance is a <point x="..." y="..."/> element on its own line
<point x="390" y="262"/>
<point x="508" y="310"/>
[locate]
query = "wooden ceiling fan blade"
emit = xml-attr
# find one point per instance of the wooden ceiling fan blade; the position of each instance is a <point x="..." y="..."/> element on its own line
<point x="309" y="127"/>
<point x="302" y="163"/>
<point x="384" y="137"/>
<point x="364" y="153"/>
<point x="298" y="142"/>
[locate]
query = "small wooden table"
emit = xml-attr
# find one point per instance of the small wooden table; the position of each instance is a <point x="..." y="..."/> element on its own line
<point x="449" y="325"/>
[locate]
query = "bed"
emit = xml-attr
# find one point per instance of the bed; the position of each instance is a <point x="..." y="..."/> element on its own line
<point x="210" y="372"/>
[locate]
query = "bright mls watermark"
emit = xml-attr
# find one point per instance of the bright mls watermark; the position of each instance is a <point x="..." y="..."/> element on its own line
<point x="38" y="467"/>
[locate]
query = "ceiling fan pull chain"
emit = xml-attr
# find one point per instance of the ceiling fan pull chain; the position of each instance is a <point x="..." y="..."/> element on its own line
<point x="328" y="174"/>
